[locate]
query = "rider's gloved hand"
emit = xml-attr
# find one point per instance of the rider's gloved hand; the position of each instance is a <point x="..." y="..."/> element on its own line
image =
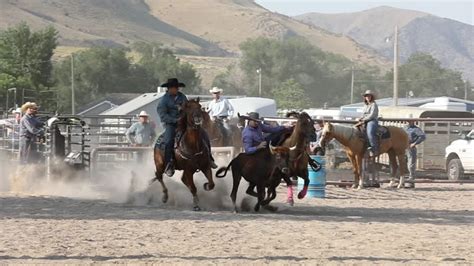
<point x="262" y="145"/>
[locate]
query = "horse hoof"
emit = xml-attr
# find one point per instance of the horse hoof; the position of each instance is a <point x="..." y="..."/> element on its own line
<point x="257" y="207"/>
<point x="196" y="208"/>
<point x="301" y="195"/>
<point x="290" y="202"/>
<point x="165" y="198"/>
<point x="354" y="186"/>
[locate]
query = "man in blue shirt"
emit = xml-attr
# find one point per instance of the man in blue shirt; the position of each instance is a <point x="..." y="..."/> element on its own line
<point x="169" y="110"/>
<point x="415" y="136"/>
<point x="252" y="135"/>
<point x="30" y="130"/>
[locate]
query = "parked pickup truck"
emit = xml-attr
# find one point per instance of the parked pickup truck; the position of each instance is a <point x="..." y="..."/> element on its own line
<point x="460" y="157"/>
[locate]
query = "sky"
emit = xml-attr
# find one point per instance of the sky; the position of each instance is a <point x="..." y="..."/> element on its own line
<point x="458" y="10"/>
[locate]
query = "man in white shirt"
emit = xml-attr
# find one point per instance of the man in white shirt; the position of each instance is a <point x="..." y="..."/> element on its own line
<point x="220" y="110"/>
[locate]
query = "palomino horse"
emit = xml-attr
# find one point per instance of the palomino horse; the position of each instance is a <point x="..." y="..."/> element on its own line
<point x="355" y="148"/>
<point x="215" y="135"/>
<point x="192" y="153"/>
<point x="300" y="137"/>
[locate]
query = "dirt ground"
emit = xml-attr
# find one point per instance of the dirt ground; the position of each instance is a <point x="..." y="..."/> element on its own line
<point x="92" y="223"/>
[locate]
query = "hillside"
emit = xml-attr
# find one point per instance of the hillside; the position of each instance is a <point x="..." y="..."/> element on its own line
<point x="449" y="41"/>
<point x="214" y="27"/>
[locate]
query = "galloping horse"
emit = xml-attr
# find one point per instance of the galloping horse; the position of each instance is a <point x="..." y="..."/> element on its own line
<point x="300" y="137"/>
<point x="355" y="148"/>
<point x="192" y="153"/>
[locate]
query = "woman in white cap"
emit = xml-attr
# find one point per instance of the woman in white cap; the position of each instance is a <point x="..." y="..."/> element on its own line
<point x="141" y="133"/>
<point x="30" y="130"/>
<point x="220" y="109"/>
<point x="370" y="119"/>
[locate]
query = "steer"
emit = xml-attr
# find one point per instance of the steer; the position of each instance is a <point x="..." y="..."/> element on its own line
<point x="258" y="169"/>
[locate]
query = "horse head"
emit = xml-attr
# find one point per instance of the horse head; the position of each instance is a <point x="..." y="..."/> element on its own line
<point x="282" y="157"/>
<point x="306" y="125"/>
<point x="327" y="134"/>
<point x="192" y="112"/>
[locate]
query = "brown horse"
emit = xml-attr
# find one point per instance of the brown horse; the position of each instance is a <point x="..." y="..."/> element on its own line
<point x="355" y="148"/>
<point x="215" y="135"/>
<point x="300" y="137"/>
<point x="192" y="153"/>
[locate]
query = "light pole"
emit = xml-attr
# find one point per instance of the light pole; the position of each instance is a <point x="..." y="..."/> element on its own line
<point x="259" y="72"/>
<point x="73" y="97"/>
<point x="395" y="67"/>
<point x="352" y="84"/>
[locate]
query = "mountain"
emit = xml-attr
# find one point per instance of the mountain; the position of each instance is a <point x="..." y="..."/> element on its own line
<point x="196" y="27"/>
<point x="449" y="41"/>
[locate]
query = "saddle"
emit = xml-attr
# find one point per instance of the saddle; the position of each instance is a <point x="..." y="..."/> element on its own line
<point x="382" y="133"/>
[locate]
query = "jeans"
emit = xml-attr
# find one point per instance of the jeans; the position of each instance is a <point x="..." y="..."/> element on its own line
<point x="411" y="161"/>
<point x="372" y="126"/>
<point x="170" y="134"/>
<point x="28" y="151"/>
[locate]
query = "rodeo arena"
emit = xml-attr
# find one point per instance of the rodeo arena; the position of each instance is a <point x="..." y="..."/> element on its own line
<point x="84" y="189"/>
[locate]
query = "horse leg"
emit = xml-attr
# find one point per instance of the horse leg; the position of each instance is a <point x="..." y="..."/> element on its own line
<point x="159" y="165"/>
<point x="393" y="167"/>
<point x="403" y="169"/>
<point x="187" y="179"/>
<point x="289" y="193"/>
<point x="210" y="183"/>
<point x="304" y="176"/>
<point x="359" y="171"/>
<point x="261" y="196"/>
<point x="159" y="177"/>
<point x="250" y="190"/>
<point x="236" y="176"/>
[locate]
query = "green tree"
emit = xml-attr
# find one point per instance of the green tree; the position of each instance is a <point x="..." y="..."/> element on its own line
<point x="291" y="95"/>
<point x="25" y="58"/>
<point x="423" y="75"/>
<point x="160" y="64"/>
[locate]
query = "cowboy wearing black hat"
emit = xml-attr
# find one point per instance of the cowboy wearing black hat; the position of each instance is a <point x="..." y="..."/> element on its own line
<point x="252" y="135"/>
<point x="168" y="110"/>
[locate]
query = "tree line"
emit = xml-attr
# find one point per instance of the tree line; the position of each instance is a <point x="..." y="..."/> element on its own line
<point x="26" y="63"/>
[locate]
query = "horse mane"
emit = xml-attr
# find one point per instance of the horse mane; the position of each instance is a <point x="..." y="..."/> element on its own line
<point x="344" y="130"/>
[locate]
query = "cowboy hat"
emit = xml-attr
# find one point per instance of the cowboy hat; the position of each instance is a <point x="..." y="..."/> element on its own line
<point x="143" y="113"/>
<point x="216" y="90"/>
<point x="368" y="92"/>
<point x="172" y="82"/>
<point x="254" y="116"/>
<point x="28" y="105"/>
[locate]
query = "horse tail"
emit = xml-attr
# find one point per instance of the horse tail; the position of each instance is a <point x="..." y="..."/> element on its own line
<point x="222" y="172"/>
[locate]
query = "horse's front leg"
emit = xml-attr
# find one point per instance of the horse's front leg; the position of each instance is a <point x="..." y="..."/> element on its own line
<point x="187" y="179"/>
<point x="159" y="177"/>
<point x="210" y="182"/>
<point x="289" y="191"/>
<point x="304" y="176"/>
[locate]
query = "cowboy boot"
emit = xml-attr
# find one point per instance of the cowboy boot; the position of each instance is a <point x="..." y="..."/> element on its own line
<point x="169" y="170"/>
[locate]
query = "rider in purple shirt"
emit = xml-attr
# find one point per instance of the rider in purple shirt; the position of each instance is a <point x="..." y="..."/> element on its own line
<point x="252" y="135"/>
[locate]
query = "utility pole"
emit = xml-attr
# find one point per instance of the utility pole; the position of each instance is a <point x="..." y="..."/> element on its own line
<point x="73" y="97"/>
<point x="352" y="85"/>
<point x="465" y="90"/>
<point x="395" y="67"/>
<point x="259" y="72"/>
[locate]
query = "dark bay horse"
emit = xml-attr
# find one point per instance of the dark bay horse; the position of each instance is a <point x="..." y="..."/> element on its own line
<point x="302" y="134"/>
<point x="355" y="147"/>
<point x="265" y="168"/>
<point x="191" y="154"/>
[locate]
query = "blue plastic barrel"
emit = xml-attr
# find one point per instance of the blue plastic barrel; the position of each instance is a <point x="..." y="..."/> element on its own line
<point x="317" y="180"/>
